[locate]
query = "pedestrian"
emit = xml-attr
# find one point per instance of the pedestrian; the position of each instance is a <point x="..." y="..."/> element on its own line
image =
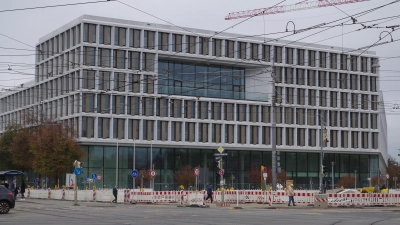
<point x="290" y="192"/>
<point x="12" y="186"/>
<point x="115" y="193"/>
<point x="16" y="189"/>
<point x="209" y="193"/>
<point x="23" y="186"/>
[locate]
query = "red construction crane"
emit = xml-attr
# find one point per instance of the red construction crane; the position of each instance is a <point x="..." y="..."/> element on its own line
<point x="289" y="8"/>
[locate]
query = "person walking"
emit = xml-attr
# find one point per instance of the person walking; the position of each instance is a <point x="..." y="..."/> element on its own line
<point x="290" y="192"/>
<point x="115" y="193"/>
<point x="23" y="186"/>
<point x="16" y="190"/>
<point x="209" y="193"/>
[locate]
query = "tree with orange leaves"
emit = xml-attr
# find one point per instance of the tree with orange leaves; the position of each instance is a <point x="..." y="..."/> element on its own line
<point x="185" y="176"/>
<point x="54" y="148"/>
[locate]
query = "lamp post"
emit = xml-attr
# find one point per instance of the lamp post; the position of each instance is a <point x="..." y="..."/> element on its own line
<point x="134" y="159"/>
<point x="333" y="177"/>
<point x="355" y="179"/>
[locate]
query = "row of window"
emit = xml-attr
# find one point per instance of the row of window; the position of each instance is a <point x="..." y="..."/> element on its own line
<point x="59" y="43"/>
<point x="119" y="59"/>
<point x="191" y="109"/>
<point x="106" y="58"/>
<point x="218" y="133"/>
<point x="324" y="98"/>
<point x="227" y="48"/>
<point x="186" y="43"/>
<point x="137" y="83"/>
<point x="58" y="65"/>
<point x="320" y="78"/>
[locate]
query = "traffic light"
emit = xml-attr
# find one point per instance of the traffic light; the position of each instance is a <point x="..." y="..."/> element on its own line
<point x="78" y="164"/>
<point x="218" y="162"/>
<point x="324" y="170"/>
<point x="325" y="135"/>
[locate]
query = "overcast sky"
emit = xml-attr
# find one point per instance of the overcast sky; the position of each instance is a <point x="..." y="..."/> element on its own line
<point x="29" y="25"/>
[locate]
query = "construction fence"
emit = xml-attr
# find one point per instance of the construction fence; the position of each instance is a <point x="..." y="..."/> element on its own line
<point x="199" y="197"/>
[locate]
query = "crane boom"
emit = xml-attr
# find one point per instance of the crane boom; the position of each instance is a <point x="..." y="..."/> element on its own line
<point x="289" y="8"/>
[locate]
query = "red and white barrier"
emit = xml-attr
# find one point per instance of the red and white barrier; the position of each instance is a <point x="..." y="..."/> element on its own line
<point x="94" y="195"/>
<point x="193" y="198"/>
<point x="349" y="199"/>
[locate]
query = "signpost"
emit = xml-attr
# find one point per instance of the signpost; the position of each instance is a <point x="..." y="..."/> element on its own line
<point x="134" y="174"/>
<point x="387" y="180"/>
<point x="77" y="172"/>
<point x="196" y="173"/>
<point x="141" y="180"/>
<point x="153" y="173"/>
<point x="94" y="177"/>
<point x="395" y="180"/>
<point x="221" y="171"/>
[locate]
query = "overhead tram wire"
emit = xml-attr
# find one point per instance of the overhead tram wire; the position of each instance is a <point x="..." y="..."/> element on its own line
<point x="216" y="33"/>
<point x="275" y="39"/>
<point x="54" y="6"/>
<point x="227" y="28"/>
<point x="238" y="37"/>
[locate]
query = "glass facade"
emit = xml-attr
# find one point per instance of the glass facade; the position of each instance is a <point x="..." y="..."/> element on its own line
<point x="301" y="167"/>
<point x="212" y="81"/>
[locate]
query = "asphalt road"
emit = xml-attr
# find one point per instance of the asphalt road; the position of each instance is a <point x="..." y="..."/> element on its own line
<point x="62" y="212"/>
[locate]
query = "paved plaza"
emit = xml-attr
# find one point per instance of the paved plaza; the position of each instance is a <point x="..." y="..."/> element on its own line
<point x="34" y="211"/>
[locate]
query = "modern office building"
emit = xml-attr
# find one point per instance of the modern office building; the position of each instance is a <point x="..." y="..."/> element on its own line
<point x="163" y="97"/>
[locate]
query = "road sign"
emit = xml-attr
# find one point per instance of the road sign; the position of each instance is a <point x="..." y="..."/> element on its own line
<point x="196" y="171"/>
<point x="387" y="176"/>
<point x="221" y="172"/>
<point x="86" y="179"/>
<point x="265" y="175"/>
<point x="134" y="173"/>
<point x="394" y="178"/>
<point x="70" y="180"/>
<point x="221" y="149"/>
<point x="222" y="154"/>
<point x="77" y="171"/>
<point x="94" y="176"/>
<point x="153" y="173"/>
<point x="98" y="177"/>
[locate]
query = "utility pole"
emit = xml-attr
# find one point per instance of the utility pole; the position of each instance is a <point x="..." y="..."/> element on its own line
<point x="273" y="143"/>
<point x="321" y="154"/>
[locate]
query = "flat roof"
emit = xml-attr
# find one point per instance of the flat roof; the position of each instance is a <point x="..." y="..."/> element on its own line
<point x="187" y="30"/>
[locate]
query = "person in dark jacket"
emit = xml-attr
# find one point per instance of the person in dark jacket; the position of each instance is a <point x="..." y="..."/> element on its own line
<point x="23" y="186"/>
<point x="115" y="193"/>
<point x="209" y="193"/>
<point x="16" y="189"/>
